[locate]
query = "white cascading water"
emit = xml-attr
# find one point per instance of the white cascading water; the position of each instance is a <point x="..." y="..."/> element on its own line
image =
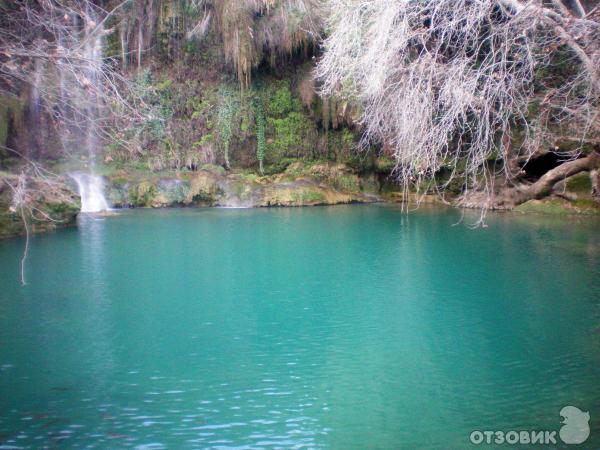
<point x="91" y="190"/>
<point x="91" y="186"/>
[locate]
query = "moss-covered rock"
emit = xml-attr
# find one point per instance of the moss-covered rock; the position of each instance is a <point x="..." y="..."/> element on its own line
<point x="205" y="188"/>
<point x="118" y="193"/>
<point x="579" y="183"/>
<point x="559" y="206"/>
<point x="300" y="185"/>
<point x="303" y="193"/>
<point x="52" y="205"/>
<point x="170" y="192"/>
<point x="143" y="194"/>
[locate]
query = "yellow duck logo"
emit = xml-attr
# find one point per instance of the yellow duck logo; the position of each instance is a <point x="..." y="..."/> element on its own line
<point x="576" y="427"/>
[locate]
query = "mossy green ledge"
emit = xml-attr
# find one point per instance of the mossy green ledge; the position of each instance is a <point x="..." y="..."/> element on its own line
<point x="300" y="185"/>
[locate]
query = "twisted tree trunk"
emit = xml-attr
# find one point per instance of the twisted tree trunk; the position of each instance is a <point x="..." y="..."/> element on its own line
<point x="544" y="185"/>
<point x="510" y="197"/>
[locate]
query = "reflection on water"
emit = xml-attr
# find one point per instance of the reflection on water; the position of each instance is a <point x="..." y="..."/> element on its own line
<point x="97" y="320"/>
<point x="353" y="327"/>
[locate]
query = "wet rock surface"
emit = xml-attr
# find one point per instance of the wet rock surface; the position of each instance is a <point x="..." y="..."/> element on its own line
<point x="299" y="185"/>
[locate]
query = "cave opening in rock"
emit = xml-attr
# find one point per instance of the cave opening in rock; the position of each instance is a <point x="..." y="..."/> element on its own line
<point x="536" y="168"/>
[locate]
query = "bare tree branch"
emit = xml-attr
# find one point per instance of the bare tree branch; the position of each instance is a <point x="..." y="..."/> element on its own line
<point x="455" y="84"/>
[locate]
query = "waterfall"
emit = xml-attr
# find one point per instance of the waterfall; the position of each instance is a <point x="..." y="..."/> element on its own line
<point x="86" y="93"/>
<point x="92" y="52"/>
<point x="91" y="190"/>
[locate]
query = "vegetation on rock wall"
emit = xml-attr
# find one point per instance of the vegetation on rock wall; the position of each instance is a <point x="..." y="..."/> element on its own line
<point x="228" y="111"/>
<point x="260" y="130"/>
<point x="473" y="88"/>
<point x="190" y="83"/>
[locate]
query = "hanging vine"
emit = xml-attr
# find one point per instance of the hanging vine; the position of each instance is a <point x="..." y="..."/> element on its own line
<point x="229" y="107"/>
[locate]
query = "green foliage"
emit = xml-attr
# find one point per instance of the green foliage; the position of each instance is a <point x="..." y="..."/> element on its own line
<point x="278" y="165"/>
<point x="229" y="108"/>
<point x="164" y="86"/>
<point x="205" y="140"/>
<point x="158" y="102"/>
<point x="384" y="164"/>
<point x="346" y="182"/>
<point x="558" y="69"/>
<point x="292" y="134"/>
<point x="280" y="99"/>
<point x="347" y="138"/>
<point x="340" y="145"/>
<point x="260" y="129"/>
<point x="282" y="127"/>
<point x="245" y="125"/>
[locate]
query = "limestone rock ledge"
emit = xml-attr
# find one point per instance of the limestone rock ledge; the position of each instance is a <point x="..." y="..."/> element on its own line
<point x="299" y="185"/>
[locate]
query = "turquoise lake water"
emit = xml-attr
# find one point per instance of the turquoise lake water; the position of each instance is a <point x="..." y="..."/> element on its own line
<point x="354" y="327"/>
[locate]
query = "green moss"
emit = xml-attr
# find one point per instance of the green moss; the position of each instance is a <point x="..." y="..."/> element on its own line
<point x="207" y="139"/>
<point x="587" y="206"/>
<point x="227" y="117"/>
<point x="260" y="130"/>
<point x="142" y="194"/>
<point x="251" y="177"/>
<point x="308" y="197"/>
<point x="348" y="183"/>
<point x="347" y="138"/>
<point x="278" y="166"/>
<point x="555" y="206"/>
<point x="217" y="170"/>
<point x="61" y="211"/>
<point x="579" y="183"/>
<point x="280" y="99"/>
<point x="10" y="225"/>
<point x="341" y="145"/>
<point x="245" y="125"/>
<point x="119" y="181"/>
<point x="548" y="206"/>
